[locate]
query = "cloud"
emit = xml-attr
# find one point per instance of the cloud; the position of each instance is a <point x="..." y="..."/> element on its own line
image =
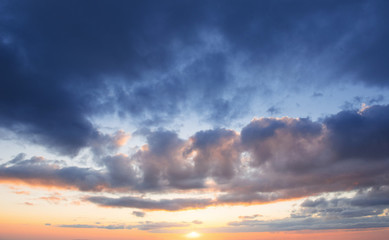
<point x="151" y="226"/>
<point x="359" y="211"/>
<point x="105" y="144"/>
<point x="307" y="224"/>
<point x="22" y="192"/>
<point x="40" y="171"/>
<point x="273" y="110"/>
<point x="54" y="198"/>
<point x="110" y="227"/>
<point x="148" y="62"/>
<point x="317" y="95"/>
<point x="145" y="226"/>
<point x="270" y="159"/>
<point x="141" y="203"/>
<point x="250" y="217"/>
<point x="360" y="135"/>
<point x="138" y="213"/>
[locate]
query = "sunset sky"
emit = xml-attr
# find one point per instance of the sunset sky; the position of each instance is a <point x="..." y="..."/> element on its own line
<point x="194" y="119"/>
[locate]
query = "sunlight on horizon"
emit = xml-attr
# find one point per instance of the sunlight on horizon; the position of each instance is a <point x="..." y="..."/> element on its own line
<point x="193" y="235"/>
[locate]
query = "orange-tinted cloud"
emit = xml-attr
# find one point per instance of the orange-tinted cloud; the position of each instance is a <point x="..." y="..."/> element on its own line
<point x="271" y="159"/>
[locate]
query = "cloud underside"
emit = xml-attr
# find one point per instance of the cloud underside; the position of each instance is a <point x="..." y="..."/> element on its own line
<point x="365" y="209"/>
<point x="270" y="159"/>
<point x="64" y="63"/>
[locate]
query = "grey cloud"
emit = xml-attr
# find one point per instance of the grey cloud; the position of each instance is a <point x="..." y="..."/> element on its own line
<point x="151" y="226"/>
<point x="317" y="94"/>
<point x="40" y="171"/>
<point x="358" y="101"/>
<point x="377" y="196"/>
<point x="111" y="227"/>
<point x="271" y="159"/>
<point x="142" y="203"/>
<point x="250" y="217"/>
<point x="145" y="226"/>
<point x="121" y="171"/>
<point x="138" y="213"/>
<point x="370" y="202"/>
<point x="360" y="134"/>
<point x="314" y="203"/>
<point x="273" y="110"/>
<point x="307" y="224"/>
<point x="323" y="213"/>
<point x="165" y="160"/>
<point x="217" y="154"/>
<point x="105" y="144"/>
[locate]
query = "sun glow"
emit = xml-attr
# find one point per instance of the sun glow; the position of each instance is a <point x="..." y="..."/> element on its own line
<point x="193" y="235"/>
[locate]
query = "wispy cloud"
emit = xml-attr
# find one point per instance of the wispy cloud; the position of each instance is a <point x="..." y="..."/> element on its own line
<point x="145" y="226"/>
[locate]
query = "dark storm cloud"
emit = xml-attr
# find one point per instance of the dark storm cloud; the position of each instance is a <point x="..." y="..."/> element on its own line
<point x="64" y="62"/>
<point x="360" y="135"/>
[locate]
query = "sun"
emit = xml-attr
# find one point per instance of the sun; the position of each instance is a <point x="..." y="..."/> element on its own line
<point x="193" y="235"/>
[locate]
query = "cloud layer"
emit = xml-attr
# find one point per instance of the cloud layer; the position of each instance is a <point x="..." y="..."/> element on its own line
<point x="70" y="71"/>
<point x="64" y="63"/>
<point x="270" y="159"/>
<point x="367" y="209"/>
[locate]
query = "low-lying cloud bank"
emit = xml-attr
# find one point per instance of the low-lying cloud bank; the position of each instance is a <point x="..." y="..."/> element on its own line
<point x="146" y="226"/>
<point x="270" y="159"/>
<point x="367" y="209"/>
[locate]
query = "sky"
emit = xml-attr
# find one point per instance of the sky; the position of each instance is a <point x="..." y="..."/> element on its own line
<point x="190" y="119"/>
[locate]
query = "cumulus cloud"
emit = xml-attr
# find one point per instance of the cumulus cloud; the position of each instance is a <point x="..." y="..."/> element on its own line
<point x="270" y="159"/>
<point x="104" y="144"/>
